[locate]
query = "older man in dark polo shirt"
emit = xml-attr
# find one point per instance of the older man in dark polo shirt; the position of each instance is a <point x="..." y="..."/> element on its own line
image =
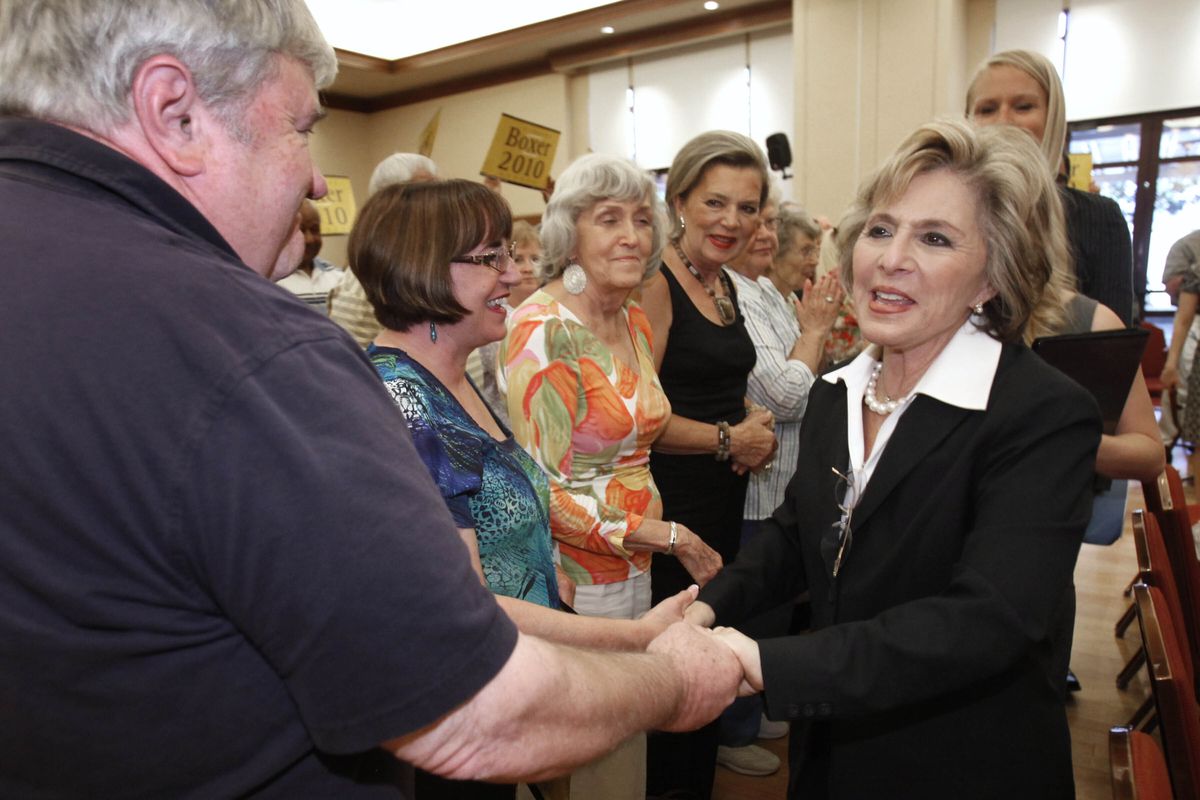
<point x="187" y="609"/>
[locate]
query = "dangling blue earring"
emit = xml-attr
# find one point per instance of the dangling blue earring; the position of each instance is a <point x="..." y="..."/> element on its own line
<point x="432" y="332"/>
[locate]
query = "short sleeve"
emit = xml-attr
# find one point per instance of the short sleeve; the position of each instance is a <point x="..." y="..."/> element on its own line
<point x="330" y="550"/>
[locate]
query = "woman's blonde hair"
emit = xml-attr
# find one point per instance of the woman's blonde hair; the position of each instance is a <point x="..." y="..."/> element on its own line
<point x="524" y="234"/>
<point x="1018" y="211"/>
<point x="707" y="150"/>
<point x="1038" y="67"/>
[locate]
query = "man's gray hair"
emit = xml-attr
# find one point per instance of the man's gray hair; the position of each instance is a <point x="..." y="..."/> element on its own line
<point x="73" y="61"/>
<point x="590" y="179"/>
<point x="401" y="168"/>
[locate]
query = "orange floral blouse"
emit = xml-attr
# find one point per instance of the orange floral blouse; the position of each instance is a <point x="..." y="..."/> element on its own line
<point x="588" y="420"/>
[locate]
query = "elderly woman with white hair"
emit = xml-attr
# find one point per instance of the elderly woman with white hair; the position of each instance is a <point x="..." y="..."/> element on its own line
<point x="585" y="400"/>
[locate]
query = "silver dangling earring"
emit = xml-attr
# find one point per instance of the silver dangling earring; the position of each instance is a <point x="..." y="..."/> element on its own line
<point x="682" y="224"/>
<point x="977" y="308"/>
<point x="432" y="332"/>
<point x="574" y="278"/>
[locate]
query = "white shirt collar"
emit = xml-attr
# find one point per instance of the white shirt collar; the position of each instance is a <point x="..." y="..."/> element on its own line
<point x="961" y="375"/>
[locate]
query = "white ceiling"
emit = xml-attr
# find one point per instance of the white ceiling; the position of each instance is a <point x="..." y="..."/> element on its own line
<point x="392" y="29"/>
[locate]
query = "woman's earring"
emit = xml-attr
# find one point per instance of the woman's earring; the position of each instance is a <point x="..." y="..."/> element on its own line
<point x="682" y="224"/>
<point x="574" y="278"/>
<point x="977" y="308"/>
<point x="432" y="332"/>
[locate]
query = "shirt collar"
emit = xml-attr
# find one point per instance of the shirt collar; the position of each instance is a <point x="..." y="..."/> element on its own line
<point x="961" y="375"/>
<point x="40" y="150"/>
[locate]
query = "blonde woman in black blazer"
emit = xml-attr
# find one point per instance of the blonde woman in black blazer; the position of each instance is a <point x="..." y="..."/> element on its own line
<point x="939" y="502"/>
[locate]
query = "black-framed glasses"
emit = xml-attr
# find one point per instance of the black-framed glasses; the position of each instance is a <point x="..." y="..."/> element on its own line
<point x="497" y="260"/>
<point x="845" y="495"/>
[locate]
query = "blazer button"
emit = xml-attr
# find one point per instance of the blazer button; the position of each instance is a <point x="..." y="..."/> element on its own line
<point x="824" y="709"/>
<point x="793" y="710"/>
<point x="809" y="710"/>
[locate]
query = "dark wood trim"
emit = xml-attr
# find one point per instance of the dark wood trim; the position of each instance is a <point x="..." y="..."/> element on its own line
<point x="1150" y="126"/>
<point x="594" y="17"/>
<point x="349" y="58"/>
<point x="467" y="83"/>
<point x="348" y="102"/>
<point x="731" y="23"/>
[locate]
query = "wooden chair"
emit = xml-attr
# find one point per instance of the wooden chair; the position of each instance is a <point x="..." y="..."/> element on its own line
<point x="1154" y="358"/>
<point x="1176" y="524"/>
<point x="1172" y="679"/>
<point x="1154" y="568"/>
<point x="1139" y="771"/>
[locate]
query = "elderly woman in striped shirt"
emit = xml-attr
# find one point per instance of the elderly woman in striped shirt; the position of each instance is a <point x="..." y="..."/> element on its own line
<point x="789" y="338"/>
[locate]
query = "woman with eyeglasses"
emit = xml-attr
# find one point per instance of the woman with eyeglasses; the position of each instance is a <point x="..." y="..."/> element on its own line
<point x="434" y="260"/>
<point x="940" y="500"/>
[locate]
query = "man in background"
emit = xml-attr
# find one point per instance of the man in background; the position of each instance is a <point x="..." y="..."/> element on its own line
<point x="314" y="276"/>
<point x="205" y="592"/>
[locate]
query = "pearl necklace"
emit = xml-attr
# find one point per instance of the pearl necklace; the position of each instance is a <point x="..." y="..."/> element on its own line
<point x="880" y="407"/>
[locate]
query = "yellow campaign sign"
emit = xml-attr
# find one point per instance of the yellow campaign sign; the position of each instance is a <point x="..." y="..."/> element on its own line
<point x="425" y="148"/>
<point x="1081" y="171"/>
<point x="337" y="208"/>
<point x="521" y="153"/>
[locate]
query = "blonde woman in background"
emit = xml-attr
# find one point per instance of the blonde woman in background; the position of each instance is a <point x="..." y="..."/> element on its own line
<point x="1022" y="88"/>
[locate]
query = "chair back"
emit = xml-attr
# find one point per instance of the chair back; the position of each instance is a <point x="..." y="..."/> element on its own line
<point x="1174" y="691"/>
<point x="1154" y="358"/>
<point x="1176" y="525"/>
<point x="1139" y="771"/>
<point x="1154" y="569"/>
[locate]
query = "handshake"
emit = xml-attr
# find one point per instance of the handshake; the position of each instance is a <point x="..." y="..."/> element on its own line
<point x="713" y="666"/>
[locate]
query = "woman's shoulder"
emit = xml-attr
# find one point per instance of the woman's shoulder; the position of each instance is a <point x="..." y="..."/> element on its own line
<point x="1027" y="386"/>
<point x="538" y="307"/>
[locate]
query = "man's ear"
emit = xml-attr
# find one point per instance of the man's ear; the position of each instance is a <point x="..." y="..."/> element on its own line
<point x="170" y="113"/>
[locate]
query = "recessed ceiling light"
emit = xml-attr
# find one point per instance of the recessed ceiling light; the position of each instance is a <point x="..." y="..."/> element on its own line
<point x="711" y="5"/>
<point x="607" y="29"/>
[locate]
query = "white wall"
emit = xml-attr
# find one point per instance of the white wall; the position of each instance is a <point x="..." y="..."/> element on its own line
<point x="1123" y="56"/>
<point x="682" y="93"/>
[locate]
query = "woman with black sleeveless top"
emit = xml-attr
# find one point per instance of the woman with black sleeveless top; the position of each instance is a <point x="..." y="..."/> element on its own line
<point x="717" y="184"/>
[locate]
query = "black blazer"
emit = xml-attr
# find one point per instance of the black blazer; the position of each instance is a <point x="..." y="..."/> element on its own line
<point x="931" y="669"/>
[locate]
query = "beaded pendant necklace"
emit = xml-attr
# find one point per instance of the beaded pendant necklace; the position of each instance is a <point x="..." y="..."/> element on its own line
<point x="724" y="305"/>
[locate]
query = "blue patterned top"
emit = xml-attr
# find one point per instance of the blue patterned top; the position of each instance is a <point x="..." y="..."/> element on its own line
<point x="489" y="485"/>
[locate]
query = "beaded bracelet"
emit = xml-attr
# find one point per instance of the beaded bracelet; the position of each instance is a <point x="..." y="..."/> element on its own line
<point x="674" y="538"/>
<point x="722" y="441"/>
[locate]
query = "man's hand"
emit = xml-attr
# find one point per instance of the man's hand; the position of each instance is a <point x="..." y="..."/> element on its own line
<point x="710" y="671"/>
<point x="747" y="653"/>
